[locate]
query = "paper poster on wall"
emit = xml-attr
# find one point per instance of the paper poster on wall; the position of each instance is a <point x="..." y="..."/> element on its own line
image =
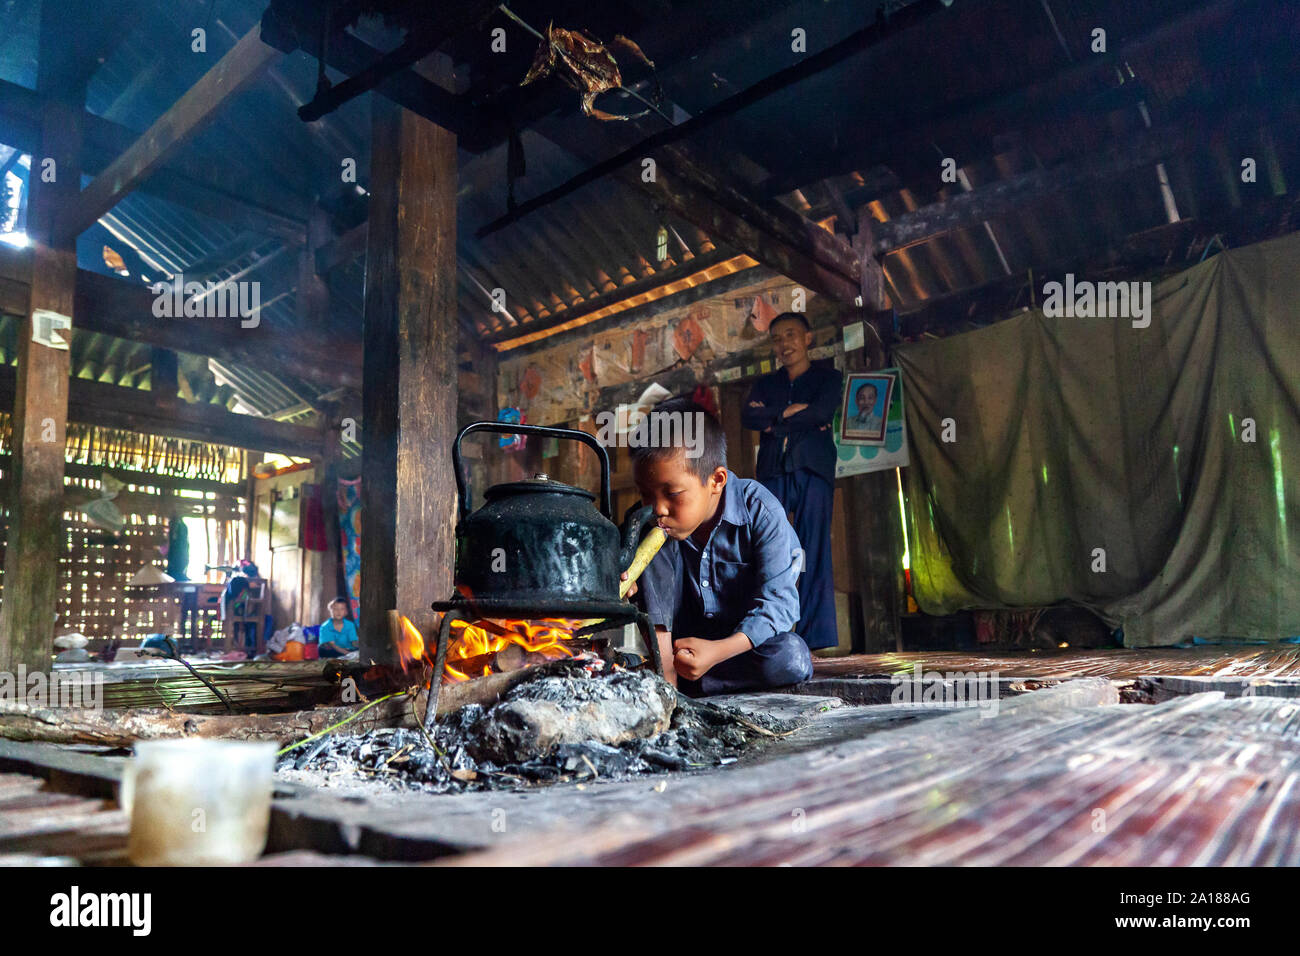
<point x="864" y="407"/>
<point x="854" y="458"/>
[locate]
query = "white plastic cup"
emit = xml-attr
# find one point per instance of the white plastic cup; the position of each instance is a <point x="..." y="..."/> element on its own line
<point x="196" y="802"/>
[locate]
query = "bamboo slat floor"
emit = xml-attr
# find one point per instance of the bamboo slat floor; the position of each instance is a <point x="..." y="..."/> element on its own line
<point x="265" y="684"/>
<point x="1267" y="660"/>
<point x="1199" y="780"/>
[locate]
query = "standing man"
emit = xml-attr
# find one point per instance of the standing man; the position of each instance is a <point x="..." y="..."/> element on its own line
<point x="793" y="409"/>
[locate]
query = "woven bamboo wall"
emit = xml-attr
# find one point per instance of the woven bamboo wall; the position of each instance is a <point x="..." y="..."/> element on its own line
<point x="93" y="573"/>
<point x="95" y="564"/>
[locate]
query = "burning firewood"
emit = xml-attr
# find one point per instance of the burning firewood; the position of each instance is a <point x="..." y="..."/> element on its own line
<point x="515" y="657"/>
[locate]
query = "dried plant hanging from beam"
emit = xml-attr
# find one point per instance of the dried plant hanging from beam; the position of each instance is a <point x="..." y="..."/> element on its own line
<point x="586" y="64"/>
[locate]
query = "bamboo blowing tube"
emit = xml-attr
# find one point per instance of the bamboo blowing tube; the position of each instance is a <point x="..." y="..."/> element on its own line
<point x="645" y="552"/>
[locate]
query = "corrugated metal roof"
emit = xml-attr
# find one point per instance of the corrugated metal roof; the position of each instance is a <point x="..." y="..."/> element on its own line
<point x="872" y="129"/>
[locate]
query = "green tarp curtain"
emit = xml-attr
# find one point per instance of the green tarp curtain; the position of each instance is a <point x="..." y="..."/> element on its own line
<point x="1083" y="444"/>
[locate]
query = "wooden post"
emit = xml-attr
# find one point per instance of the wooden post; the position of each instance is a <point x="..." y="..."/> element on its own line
<point x="871" y="501"/>
<point x="164" y="377"/>
<point x="312" y="293"/>
<point x="322" y="566"/>
<point x="872" y="274"/>
<point x="251" y="459"/>
<point x="408" y="491"/>
<point x="41" y="404"/>
<point x="313" y="302"/>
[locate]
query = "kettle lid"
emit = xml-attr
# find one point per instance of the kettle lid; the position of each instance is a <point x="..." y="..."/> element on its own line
<point x="540" y="483"/>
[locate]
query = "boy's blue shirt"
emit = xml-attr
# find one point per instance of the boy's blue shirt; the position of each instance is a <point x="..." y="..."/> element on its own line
<point x="744" y="579"/>
<point x="347" y="638"/>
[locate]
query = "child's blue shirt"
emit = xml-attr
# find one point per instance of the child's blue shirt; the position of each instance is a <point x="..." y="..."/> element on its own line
<point x="742" y="580"/>
<point x="346" y="638"/>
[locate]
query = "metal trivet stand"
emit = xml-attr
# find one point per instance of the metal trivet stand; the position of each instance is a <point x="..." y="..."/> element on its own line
<point x="459" y="608"/>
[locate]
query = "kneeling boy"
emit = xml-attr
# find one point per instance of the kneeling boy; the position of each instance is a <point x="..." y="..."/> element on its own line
<point x="722" y="592"/>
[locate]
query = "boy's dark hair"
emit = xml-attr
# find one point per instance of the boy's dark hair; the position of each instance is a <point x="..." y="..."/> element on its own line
<point x="713" y="451"/>
<point x="338" y="600"/>
<point x="797" y="316"/>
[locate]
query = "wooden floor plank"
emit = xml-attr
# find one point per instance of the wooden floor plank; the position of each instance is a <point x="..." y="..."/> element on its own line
<point x="96" y="843"/>
<point x="1276" y="660"/>
<point x="37" y="820"/>
<point x="49" y="817"/>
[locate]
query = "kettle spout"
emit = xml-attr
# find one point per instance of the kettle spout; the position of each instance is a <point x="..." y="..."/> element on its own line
<point x="636" y="523"/>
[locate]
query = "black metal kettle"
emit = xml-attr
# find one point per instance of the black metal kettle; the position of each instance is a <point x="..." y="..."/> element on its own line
<point x="541" y="544"/>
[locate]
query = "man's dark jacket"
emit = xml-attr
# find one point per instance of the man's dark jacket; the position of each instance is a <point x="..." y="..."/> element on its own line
<point x="804" y="439"/>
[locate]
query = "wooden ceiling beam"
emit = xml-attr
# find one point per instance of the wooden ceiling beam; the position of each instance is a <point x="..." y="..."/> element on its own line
<point x="639" y="315"/>
<point x="773" y="235"/>
<point x="774" y="219"/>
<point x="143" y="478"/>
<point x="196" y="108"/>
<point x="595" y="304"/>
<point x="341" y="250"/>
<point x="1140" y="149"/>
<point x="124" y="309"/>
<point x="1048" y="97"/>
<point x="653" y="145"/>
<point x="205" y="185"/>
<point x="368" y="68"/>
<point x="134" y="409"/>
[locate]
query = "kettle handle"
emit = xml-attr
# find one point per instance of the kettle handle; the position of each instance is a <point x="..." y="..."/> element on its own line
<point x="504" y="428"/>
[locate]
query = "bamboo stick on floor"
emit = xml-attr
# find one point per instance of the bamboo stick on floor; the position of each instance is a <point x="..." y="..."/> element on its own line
<point x="121" y="728"/>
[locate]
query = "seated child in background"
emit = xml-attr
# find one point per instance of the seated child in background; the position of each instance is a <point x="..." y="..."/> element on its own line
<point x="338" y="635"/>
<point x="721" y="593"/>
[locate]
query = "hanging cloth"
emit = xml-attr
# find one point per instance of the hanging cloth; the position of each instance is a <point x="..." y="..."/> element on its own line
<point x="178" y="549"/>
<point x="313" y="519"/>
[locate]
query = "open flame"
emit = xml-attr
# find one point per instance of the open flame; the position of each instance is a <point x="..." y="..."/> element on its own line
<point x="410" y="644"/>
<point x="474" y="647"/>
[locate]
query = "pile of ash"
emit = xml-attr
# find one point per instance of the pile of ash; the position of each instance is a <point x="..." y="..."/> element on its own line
<point x="555" y="727"/>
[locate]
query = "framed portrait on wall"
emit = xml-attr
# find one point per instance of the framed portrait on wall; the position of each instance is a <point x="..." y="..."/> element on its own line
<point x="865" y="408"/>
